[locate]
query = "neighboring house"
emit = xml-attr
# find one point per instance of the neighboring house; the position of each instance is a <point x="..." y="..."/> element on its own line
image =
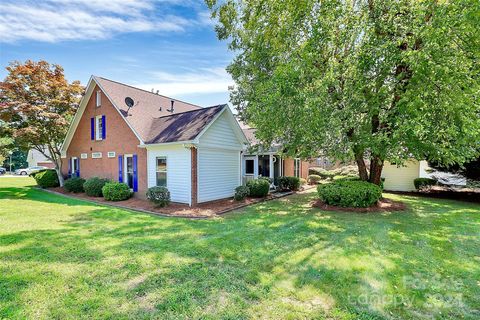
<point x="145" y="139"/>
<point x="400" y="178"/>
<point x="269" y="163"/>
<point x="36" y="159"/>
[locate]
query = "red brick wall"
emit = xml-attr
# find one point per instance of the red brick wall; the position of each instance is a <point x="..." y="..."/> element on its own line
<point x="119" y="138"/>
<point x="46" y="164"/>
<point x="288" y="168"/>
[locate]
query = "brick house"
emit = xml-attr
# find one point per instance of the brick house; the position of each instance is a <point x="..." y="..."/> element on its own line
<point x="145" y="139"/>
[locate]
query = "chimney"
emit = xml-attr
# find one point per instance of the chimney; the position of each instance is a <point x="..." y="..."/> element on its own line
<point x="171" y="107"/>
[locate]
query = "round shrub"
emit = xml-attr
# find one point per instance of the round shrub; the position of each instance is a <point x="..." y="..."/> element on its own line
<point x="303" y="181"/>
<point x="314" y="179"/>
<point x="159" y="195"/>
<point x="47" y="179"/>
<point x="241" y="192"/>
<point x="289" y="183"/>
<point x="421" y="183"/>
<point x="258" y="187"/>
<point x="348" y="193"/>
<point x="116" y="191"/>
<point x="74" y="184"/>
<point x="93" y="186"/>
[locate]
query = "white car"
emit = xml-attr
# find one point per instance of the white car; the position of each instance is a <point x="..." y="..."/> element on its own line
<point x="29" y="170"/>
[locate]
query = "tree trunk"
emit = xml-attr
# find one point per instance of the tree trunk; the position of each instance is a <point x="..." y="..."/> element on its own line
<point x="376" y="166"/>
<point x="362" y="168"/>
<point x="58" y="168"/>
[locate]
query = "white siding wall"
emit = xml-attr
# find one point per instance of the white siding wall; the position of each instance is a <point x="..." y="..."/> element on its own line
<point x="218" y="161"/>
<point x="400" y="178"/>
<point x="178" y="170"/>
<point x="218" y="173"/>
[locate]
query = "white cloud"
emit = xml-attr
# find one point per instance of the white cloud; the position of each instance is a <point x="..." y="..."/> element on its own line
<point x="59" y="20"/>
<point x="201" y="81"/>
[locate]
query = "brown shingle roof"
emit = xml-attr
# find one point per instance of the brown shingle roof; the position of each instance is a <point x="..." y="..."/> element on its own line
<point x="149" y="116"/>
<point x="183" y="126"/>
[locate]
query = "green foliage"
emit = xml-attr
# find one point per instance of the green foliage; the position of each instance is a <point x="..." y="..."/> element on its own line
<point x="258" y="187"/>
<point x="323" y="173"/>
<point x="159" y="195"/>
<point x="93" y="186"/>
<point x="421" y="183"/>
<point x="19" y="160"/>
<point x="302" y="181"/>
<point x="348" y="193"/>
<point x="241" y="192"/>
<point x="289" y="183"/>
<point x="74" y="184"/>
<point x="47" y="178"/>
<point x="97" y="258"/>
<point x="116" y="191"/>
<point x="388" y="80"/>
<point x="314" y="179"/>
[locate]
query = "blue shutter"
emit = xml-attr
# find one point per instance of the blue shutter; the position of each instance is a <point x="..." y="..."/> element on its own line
<point x="120" y="168"/>
<point x="135" y="174"/>
<point x="104" y="126"/>
<point x="78" y="167"/>
<point x="92" y="128"/>
<point x="69" y="167"/>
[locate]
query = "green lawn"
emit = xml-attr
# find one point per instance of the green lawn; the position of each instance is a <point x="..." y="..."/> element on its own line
<point x="67" y="259"/>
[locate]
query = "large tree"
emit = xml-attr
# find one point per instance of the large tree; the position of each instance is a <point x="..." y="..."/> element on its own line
<point x="37" y="103"/>
<point x="357" y="79"/>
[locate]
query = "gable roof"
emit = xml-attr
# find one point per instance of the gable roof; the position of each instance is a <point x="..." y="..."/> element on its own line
<point x="148" y="105"/>
<point x="148" y="118"/>
<point x="182" y="126"/>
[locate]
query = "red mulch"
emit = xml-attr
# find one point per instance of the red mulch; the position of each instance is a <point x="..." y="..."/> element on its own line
<point x="381" y="206"/>
<point x="202" y="210"/>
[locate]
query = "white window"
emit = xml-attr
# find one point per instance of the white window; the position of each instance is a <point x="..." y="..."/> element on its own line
<point x="128" y="170"/>
<point x="161" y="170"/>
<point x="99" y="127"/>
<point x="111" y="154"/>
<point x="296" y="167"/>
<point x="96" y="155"/>
<point x="84" y="155"/>
<point x="99" y="98"/>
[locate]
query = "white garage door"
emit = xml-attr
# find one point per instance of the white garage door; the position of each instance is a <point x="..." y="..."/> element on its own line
<point x="218" y="173"/>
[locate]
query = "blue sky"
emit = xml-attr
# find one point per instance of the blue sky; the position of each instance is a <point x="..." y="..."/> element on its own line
<point x="169" y="45"/>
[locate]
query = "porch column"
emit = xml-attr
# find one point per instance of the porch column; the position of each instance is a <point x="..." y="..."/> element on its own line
<point x="255" y="167"/>
<point x="271" y="166"/>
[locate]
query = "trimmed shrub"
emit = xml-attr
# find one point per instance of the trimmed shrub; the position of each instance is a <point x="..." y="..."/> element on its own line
<point x="159" y="195"/>
<point x="303" y="181"/>
<point x="314" y="179"/>
<point x="258" y="187"/>
<point x="421" y="183"/>
<point x="33" y="174"/>
<point x="324" y="174"/>
<point x="348" y="193"/>
<point x="74" y="184"/>
<point x="93" y="186"/>
<point x="47" y="179"/>
<point x="289" y="183"/>
<point x="241" y="192"/>
<point x="116" y="191"/>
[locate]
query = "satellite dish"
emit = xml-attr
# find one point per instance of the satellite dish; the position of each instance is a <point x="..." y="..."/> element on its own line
<point x="129" y="102"/>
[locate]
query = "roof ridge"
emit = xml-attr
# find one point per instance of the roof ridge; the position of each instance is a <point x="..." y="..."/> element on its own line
<point x="196" y="110"/>
<point x="161" y="95"/>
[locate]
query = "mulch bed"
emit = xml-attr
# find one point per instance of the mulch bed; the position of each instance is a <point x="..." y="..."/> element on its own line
<point x="202" y="210"/>
<point x="381" y="206"/>
<point x="441" y="192"/>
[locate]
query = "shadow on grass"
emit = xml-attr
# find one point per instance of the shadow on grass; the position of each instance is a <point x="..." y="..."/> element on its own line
<point x="275" y="259"/>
